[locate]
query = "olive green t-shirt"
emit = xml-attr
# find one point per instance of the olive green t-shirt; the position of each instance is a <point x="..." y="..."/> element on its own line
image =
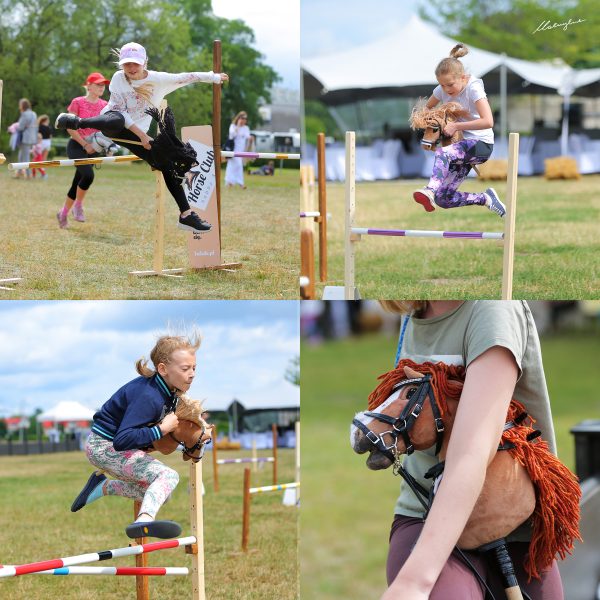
<point x="458" y="338"/>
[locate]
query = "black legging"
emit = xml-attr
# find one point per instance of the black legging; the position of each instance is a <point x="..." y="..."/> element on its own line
<point x="84" y="175"/>
<point x="112" y="124"/>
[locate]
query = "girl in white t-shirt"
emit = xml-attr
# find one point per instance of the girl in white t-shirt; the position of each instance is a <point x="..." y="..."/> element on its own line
<point x="452" y="163"/>
<point x="133" y="90"/>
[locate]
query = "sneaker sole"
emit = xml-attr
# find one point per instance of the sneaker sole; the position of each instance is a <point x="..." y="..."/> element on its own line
<point x="424" y="201"/>
<point x="188" y="228"/>
<point x="158" y="529"/>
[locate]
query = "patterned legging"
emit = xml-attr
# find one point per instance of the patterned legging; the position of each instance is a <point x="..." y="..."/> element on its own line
<point x="137" y="475"/>
<point x="450" y="168"/>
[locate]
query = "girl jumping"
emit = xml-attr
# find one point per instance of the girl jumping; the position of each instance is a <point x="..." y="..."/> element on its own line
<point x="452" y="163"/>
<point x="133" y="90"/>
<point x="124" y="429"/>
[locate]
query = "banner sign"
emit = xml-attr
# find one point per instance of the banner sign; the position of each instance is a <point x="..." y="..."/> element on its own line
<point x="204" y="247"/>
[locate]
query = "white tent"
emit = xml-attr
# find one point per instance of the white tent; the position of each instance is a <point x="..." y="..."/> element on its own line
<point x="406" y="61"/>
<point x="67" y="411"/>
<point x="403" y="64"/>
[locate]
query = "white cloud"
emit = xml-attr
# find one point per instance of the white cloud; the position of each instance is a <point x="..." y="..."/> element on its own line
<point x="85" y="351"/>
<point x="335" y="25"/>
<point x="276" y="26"/>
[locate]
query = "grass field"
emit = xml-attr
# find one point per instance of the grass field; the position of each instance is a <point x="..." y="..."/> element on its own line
<point x="92" y="260"/>
<point x="36" y="524"/>
<point x="556" y="242"/>
<point x="346" y="508"/>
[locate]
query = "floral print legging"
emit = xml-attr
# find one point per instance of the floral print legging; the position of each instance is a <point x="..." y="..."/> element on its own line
<point x="450" y="168"/>
<point x="137" y="475"/>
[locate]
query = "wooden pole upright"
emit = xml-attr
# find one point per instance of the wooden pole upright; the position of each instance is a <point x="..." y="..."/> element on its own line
<point x="142" y="583"/>
<point x="216" y="125"/>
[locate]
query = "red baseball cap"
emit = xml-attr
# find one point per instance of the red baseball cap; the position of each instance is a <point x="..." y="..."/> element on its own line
<point x="97" y="78"/>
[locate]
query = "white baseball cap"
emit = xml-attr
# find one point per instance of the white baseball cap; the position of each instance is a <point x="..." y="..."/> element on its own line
<point x="132" y="52"/>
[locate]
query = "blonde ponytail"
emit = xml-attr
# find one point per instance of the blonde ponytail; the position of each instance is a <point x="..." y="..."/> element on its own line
<point x="452" y="65"/>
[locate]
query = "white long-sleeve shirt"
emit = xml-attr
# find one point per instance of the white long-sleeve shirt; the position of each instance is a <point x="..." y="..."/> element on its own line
<point x="124" y="99"/>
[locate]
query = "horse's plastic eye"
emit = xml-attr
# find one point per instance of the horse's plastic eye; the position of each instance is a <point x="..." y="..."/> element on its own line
<point x="410" y="392"/>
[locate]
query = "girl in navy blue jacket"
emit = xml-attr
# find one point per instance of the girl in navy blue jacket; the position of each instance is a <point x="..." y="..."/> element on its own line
<point x="124" y="429"/>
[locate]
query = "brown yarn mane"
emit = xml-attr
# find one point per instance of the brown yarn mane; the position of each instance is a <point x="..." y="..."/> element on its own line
<point x="555" y="520"/>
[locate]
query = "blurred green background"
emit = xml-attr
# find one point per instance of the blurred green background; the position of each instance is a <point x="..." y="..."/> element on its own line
<point x="347" y="509"/>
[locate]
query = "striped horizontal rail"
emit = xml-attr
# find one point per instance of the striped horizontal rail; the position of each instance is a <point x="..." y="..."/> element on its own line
<point x="274" y="488"/>
<point x="73" y="162"/>
<point x="310" y="213"/>
<point x="57" y="563"/>
<point x="274" y="155"/>
<point x="231" y="461"/>
<point x="476" y="235"/>
<point x="136" y="571"/>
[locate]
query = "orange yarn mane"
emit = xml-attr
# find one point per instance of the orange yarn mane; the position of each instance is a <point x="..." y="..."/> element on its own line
<point x="555" y="521"/>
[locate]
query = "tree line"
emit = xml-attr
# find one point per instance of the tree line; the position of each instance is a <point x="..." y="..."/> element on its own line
<point x="48" y="47"/>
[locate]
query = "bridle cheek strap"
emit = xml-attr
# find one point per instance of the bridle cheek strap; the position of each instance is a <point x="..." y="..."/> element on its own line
<point x="404" y="423"/>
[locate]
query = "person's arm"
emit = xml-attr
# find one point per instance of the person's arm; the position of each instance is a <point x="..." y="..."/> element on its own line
<point x="170" y="82"/>
<point x="485" y="121"/>
<point x="433" y="101"/>
<point x="74" y="133"/>
<point x="489" y="385"/>
<point x="134" y="431"/>
<point x="144" y="137"/>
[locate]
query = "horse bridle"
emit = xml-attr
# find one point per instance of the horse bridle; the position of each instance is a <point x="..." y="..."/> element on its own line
<point x="199" y="445"/>
<point x="437" y="125"/>
<point x="402" y="425"/>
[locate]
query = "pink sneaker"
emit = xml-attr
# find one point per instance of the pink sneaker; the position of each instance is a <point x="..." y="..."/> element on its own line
<point x="77" y="212"/>
<point x="62" y="220"/>
<point x="424" y="197"/>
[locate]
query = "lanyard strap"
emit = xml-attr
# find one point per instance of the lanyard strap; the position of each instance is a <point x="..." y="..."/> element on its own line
<point x="401" y="339"/>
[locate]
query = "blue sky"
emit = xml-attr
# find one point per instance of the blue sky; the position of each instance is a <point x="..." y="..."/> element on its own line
<point x="276" y="25"/>
<point x="86" y="350"/>
<point x="333" y="25"/>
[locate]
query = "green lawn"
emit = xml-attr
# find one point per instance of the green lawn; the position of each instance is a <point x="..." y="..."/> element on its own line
<point x="346" y="508"/>
<point x="556" y="242"/>
<point x="36" y="524"/>
<point x="92" y="260"/>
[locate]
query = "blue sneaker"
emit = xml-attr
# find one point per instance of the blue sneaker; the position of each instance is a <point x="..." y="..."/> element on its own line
<point x="92" y="483"/>
<point x="494" y="204"/>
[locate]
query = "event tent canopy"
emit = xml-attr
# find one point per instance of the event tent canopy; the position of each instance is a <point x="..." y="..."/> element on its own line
<point x="67" y="411"/>
<point x="403" y="64"/>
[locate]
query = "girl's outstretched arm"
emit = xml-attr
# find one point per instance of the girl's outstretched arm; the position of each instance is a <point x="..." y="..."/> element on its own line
<point x="489" y="385"/>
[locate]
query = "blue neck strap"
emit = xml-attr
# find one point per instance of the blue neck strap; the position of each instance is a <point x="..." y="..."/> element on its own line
<point x="401" y="339"/>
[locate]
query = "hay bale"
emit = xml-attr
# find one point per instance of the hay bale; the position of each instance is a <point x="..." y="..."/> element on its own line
<point x="494" y="169"/>
<point x="561" y="167"/>
<point x="226" y="444"/>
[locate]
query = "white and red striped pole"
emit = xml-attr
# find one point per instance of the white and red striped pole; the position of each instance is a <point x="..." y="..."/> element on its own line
<point x="136" y="571"/>
<point x="58" y="563"/>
